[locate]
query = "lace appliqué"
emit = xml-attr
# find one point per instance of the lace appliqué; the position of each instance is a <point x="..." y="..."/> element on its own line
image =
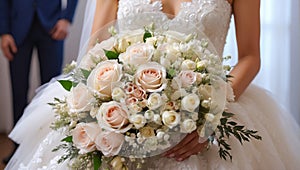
<point x="211" y="17"/>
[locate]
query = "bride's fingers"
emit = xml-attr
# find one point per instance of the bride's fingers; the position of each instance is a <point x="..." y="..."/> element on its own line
<point x="194" y="150"/>
<point x="181" y="144"/>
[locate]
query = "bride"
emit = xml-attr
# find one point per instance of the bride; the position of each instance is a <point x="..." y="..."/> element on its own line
<point x="253" y="106"/>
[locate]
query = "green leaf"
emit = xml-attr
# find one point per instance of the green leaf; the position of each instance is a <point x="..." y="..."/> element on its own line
<point x="171" y="73"/>
<point x="67" y="84"/>
<point x="147" y="34"/>
<point x="97" y="161"/>
<point x="68" y="139"/>
<point x="85" y="73"/>
<point x="111" y="55"/>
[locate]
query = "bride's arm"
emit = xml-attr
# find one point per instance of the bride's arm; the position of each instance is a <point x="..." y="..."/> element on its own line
<point x="247" y="25"/>
<point x="247" y="22"/>
<point x="105" y="13"/>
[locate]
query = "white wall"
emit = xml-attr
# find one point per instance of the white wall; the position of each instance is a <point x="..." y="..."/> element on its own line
<point x="71" y="51"/>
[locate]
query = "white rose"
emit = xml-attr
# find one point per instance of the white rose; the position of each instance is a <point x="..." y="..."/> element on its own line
<point x="187" y="126"/>
<point x="96" y="54"/>
<point x="138" y="121"/>
<point x="103" y="78"/>
<point x="151" y="77"/>
<point x="80" y="98"/>
<point x="113" y="117"/>
<point x="188" y="65"/>
<point x="84" y="136"/>
<point x="170" y="118"/>
<point x="190" y="102"/>
<point x="109" y="143"/>
<point x="118" y="94"/>
<point x="154" y="101"/>
<point x="137" y="54"/>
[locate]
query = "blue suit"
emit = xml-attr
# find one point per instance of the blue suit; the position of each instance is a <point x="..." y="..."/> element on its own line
<point x="30" y="23"/>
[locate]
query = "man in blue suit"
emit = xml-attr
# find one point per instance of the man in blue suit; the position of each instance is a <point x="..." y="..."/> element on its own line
<point x="28" y="24"/>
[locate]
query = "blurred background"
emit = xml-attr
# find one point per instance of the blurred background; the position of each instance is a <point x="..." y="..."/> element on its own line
<point x="280" y="53"/>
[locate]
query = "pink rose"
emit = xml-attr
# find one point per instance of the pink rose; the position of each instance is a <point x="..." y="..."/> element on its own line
<point x="103" y="78"/>
<point x="84" y="136"/>
<point x="187" y="78"/>
<point x="113" y="117"/>
<point x="109" y="143"/>
<point x="151" y="77"/>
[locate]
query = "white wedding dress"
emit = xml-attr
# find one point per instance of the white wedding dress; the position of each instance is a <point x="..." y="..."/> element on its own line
<point x="255" y="109"/>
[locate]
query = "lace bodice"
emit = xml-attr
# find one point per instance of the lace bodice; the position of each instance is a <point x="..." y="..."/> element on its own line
<point x="212" y="17"/>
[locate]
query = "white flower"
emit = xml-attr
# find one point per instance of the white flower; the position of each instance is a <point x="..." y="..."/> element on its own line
<point x="80" y="98"/>
<point x="188" y="65"/>
<point x="122" y="45"/>
<point x="149" y="114"/>
<point x="170" y="118"/>
<point x="187" y="126"/>
<point x="160" y="135"/>
<point x="190" y="102"/>
<point x="137" y="54"/>
<point x="151" y="40"/>
<point x="103" y="78"/>
<point x="138" y="120"/>
<point x="118" y="94"/>
<point x="201" y="65"/>
<point x="157" y="119"/>
<point x="151" y="77"/>
<point x="154" y="101"/>
<point x="96" y="54"/>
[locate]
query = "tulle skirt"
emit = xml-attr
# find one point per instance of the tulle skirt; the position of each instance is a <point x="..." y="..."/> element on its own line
<point x="256" y="109"/>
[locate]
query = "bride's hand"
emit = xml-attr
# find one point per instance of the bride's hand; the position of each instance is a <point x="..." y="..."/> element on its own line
<point x="188" y="146"/>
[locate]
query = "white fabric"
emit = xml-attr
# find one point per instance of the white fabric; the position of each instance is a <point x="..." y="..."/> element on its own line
<point x="255" y="109"/>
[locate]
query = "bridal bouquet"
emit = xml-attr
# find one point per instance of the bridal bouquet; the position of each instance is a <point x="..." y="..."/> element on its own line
<point x="139" y="93"/>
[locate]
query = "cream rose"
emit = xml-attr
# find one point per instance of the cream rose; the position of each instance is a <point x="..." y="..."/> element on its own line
<point x="138" y="120"/>
<point x="137" y="54"/>
<point x="151" y="77"/>
<point x="188" y="126"/>
<point x="170" y="118"/>
<point x="84" y="136"/>
<point x="103" y="78"/>
<point x="113" y="117"/>
<point x="154" y="101"/>
<point x="190" y="102"/>
<point x="109" y="143"/>
<point x="80" y="98"/>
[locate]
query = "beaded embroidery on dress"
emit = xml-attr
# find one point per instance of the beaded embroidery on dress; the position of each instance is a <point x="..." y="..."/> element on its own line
<point x="255" y="109"/>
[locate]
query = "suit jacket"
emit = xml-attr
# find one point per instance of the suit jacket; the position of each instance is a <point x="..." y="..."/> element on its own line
<point x="16" y="16"/>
